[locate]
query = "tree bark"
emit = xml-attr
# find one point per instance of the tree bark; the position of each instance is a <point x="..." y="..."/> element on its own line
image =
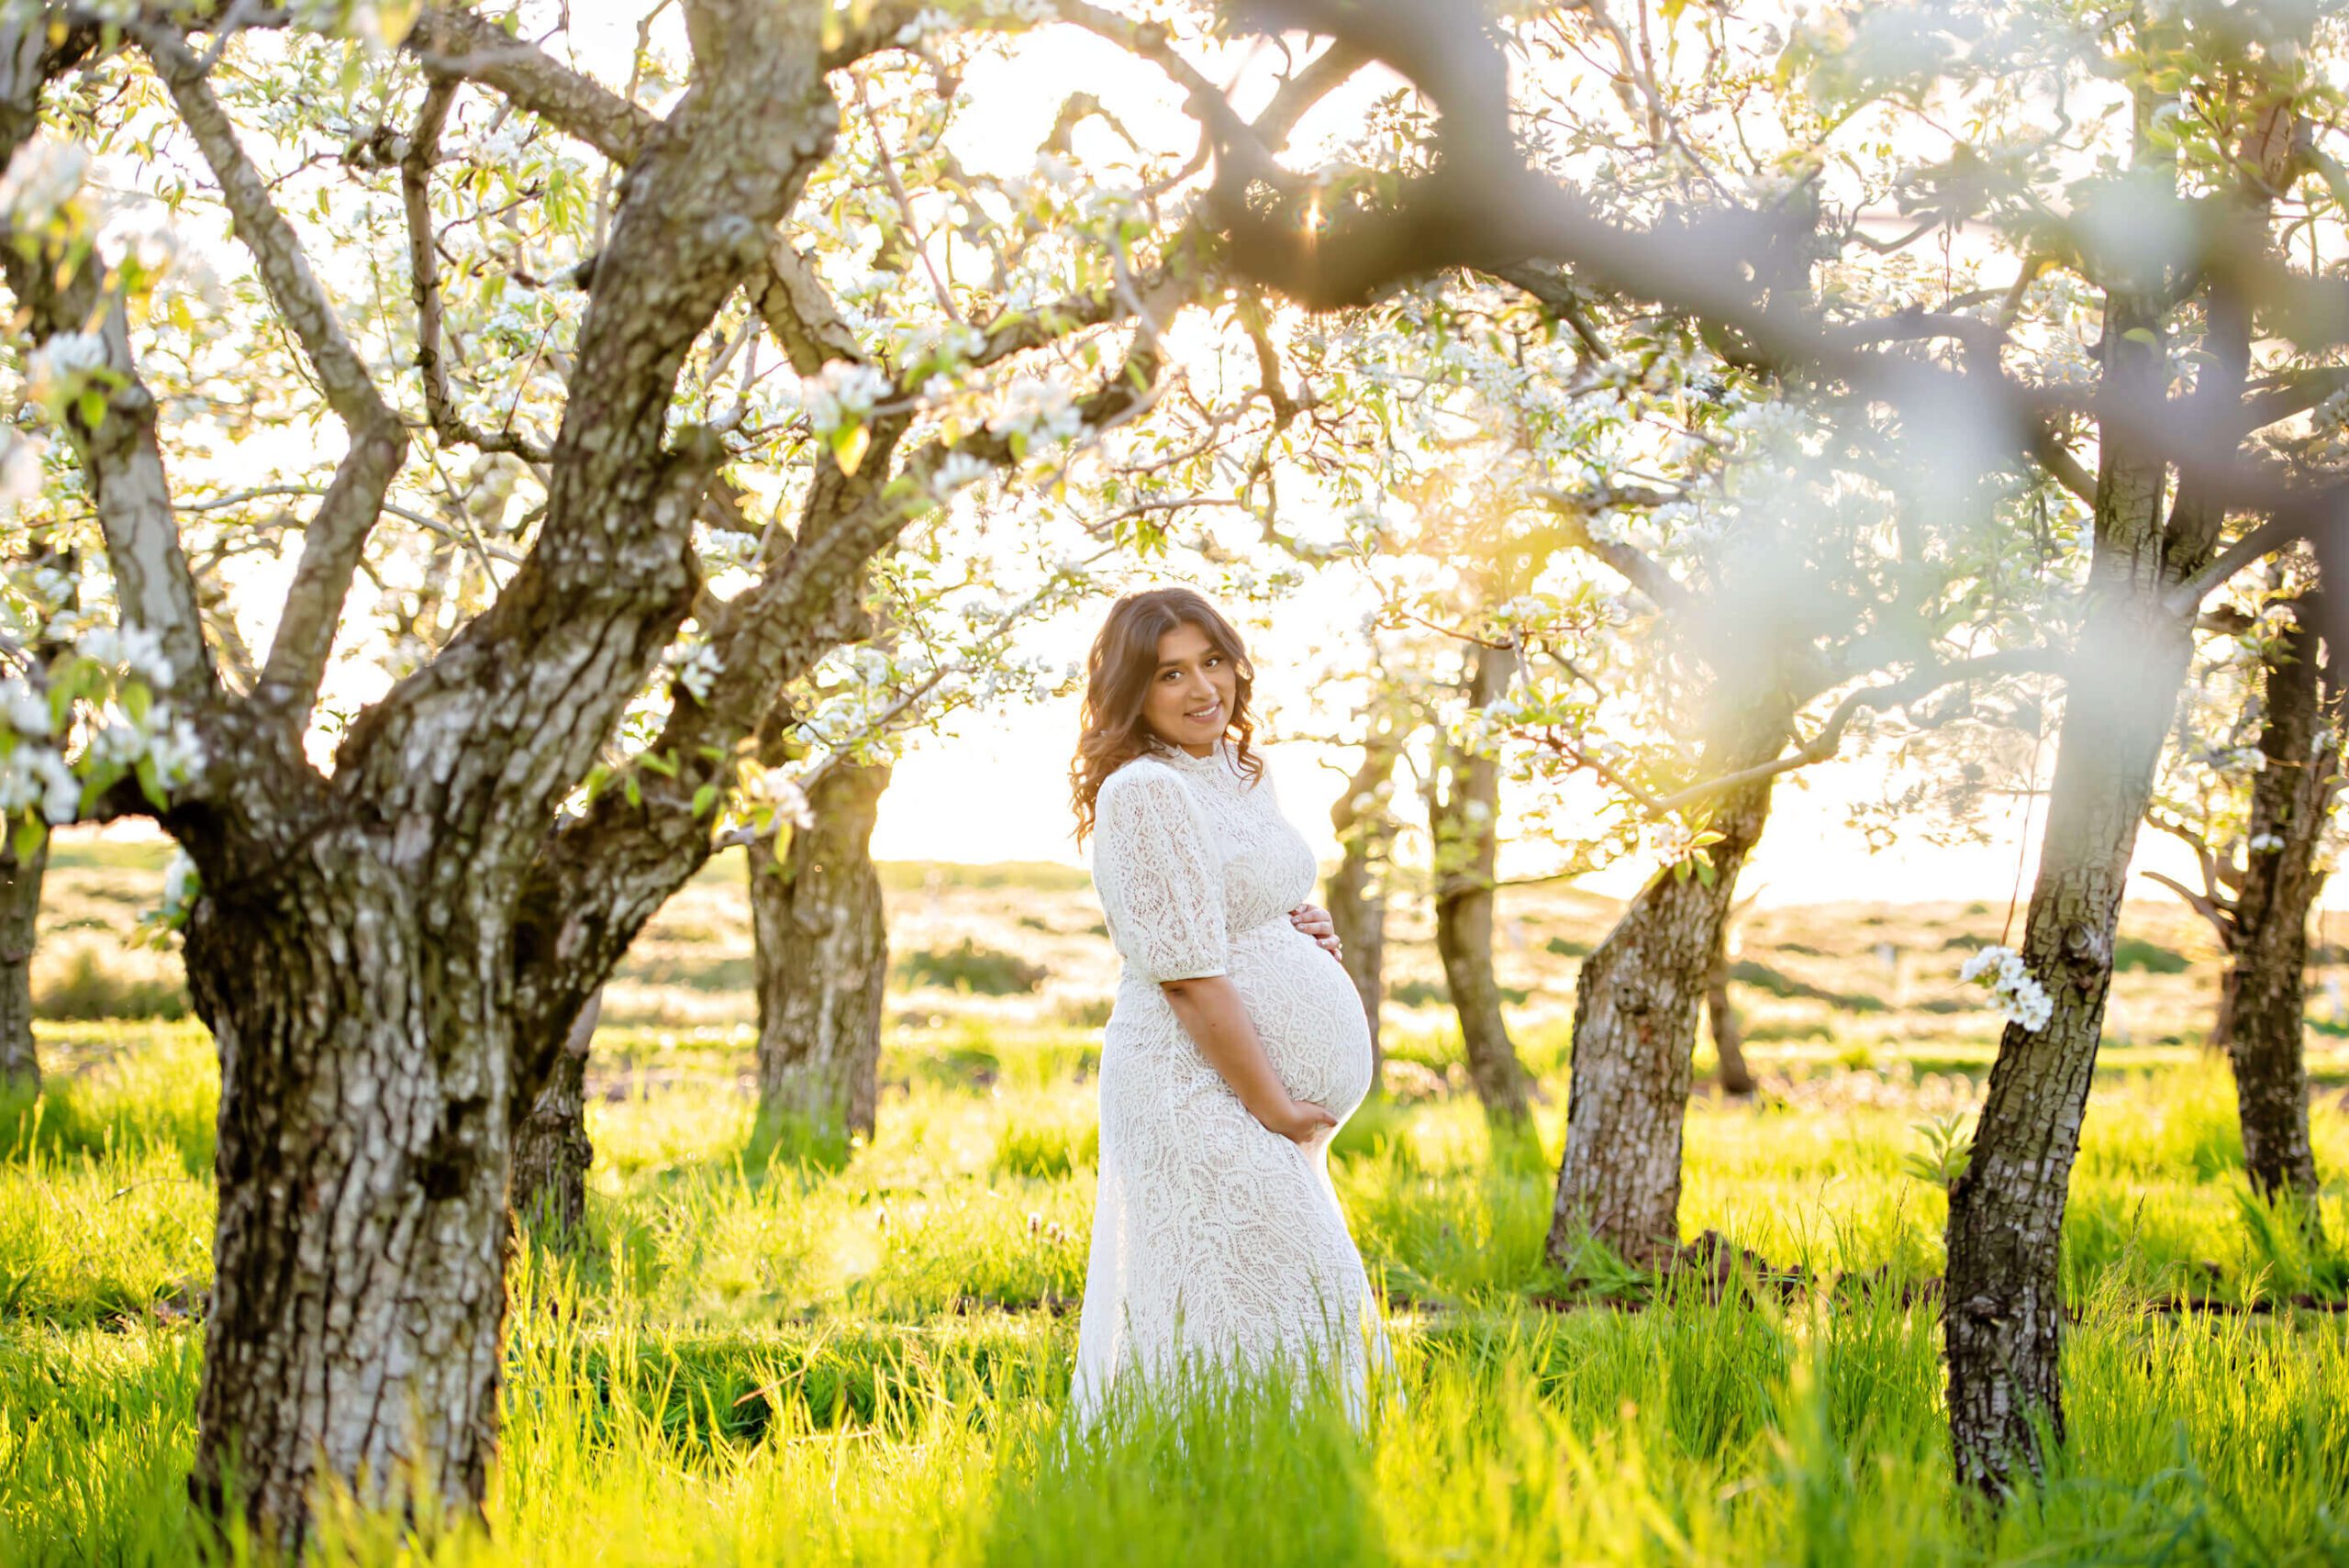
<point x="547" y="1189"/>
<point x="362" y="1164"/>
<point x="20" y="880"/>
<point x="2268" y="979"/>
<point x="822" y="958"/>
<point x="2003" y="1306"/>
<point x="1466" y="818"/>
<point x="1356" y="897"/>
<point x="1729" y="1029"/>
<point x="1634" y="1038"/>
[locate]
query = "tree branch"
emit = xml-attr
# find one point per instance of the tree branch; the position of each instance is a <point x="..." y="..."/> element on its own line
<point x="1635" y="566"/>
<point x="424" y="274"/>
<point x="1892" y="694"/>
<point x="121" y="461"/>
<point x="332" y="542"/>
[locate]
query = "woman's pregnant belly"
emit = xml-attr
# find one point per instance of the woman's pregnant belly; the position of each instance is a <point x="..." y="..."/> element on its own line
<point x="1307" y="1013"/>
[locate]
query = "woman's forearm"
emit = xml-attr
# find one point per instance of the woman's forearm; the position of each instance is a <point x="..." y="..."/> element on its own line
<point x="1212" y="1014"/>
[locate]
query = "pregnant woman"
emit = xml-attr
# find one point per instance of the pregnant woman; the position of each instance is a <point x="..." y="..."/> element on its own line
<point x="1237" y="1043"/>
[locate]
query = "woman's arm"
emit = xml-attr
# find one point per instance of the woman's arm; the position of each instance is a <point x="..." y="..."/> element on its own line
<point x="1211" y="1012"/>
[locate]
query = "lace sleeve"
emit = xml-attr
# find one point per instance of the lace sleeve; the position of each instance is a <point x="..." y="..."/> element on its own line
<point x="1160" y="882"/>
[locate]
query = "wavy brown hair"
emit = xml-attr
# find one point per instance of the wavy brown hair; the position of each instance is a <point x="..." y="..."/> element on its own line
<point x="1124" y="658"/>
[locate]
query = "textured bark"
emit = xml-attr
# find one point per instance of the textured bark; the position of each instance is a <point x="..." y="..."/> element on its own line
<point x="1729" y="1029"/>
<point x="1636" y="1003"/>
<point x="2002" y="1310"/>
<point x="547" y="1189"/>
<point x="1354" y="895"/>
<point x="2268" y="979"/>
<point x="1464" y="809"/>
<point x="20" y="880"/>
<point x="361" y="1165"/>
<point x="822" y="958"/>
<point x="2003" y="1302"/>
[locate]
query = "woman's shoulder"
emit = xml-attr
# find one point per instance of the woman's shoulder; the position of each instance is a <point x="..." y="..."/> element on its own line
<point x="1146" y="773"/>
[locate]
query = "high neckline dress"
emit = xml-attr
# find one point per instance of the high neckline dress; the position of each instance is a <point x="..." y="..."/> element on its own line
<point x="1214" y="1237"/>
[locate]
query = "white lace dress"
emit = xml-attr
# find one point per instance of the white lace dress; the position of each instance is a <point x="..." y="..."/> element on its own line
<point x="1213" y="1236"/>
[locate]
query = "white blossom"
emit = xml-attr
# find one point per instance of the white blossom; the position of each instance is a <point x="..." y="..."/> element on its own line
<point x="841" y="393"/>
<point x="64" y="360"/>
<point x="1039" y="409"/>
<point x="25" y="709"/>
<point x="955" y="471"/>
<point x="2016" y="990"/>
<point x="44" y="175"/>
<point x="36" y="776"/>
<point x="20" y="470"/>
<point x="697" y="672"/>
<point x="180" y="887"/>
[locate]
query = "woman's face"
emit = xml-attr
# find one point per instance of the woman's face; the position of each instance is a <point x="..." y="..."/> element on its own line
<point x="1188" y="700"/>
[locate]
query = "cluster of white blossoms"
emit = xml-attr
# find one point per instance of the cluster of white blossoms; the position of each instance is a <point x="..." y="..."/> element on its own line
<point x="955" y="471"/>
<point x="2018" y="994"/>
<point x="1038" y="410"/>
<point x="44" y="175"/>
<point x="57" y="369"/>
<point x="34" y="776"/>
<point x="843" y="392"/>
<point x="35" y="772"/>
<point x="695" y="668"/>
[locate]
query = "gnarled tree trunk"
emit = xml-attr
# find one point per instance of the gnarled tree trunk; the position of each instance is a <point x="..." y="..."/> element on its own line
<point x="365" y="1089"/>
<point x="2267" y="980"/>
<point x="547" y="1189"/>
<point x="822" y="958"/>
<point x="1463" y="804"/>
<point x="1357" y="901"/>
<point x="1636" y="1003"/>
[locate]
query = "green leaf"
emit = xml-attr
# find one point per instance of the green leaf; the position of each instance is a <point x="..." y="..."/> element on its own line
<point x="30" y="831"/>
<point x="2142" y="335"/>
<point x="632" y="790"/>
<point x="704" y="799"/>
<point x="850" y="443"/>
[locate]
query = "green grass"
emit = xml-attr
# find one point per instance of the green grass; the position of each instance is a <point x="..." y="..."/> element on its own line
<point x="771" y="1349"/>
<point x="865" y="1360"/>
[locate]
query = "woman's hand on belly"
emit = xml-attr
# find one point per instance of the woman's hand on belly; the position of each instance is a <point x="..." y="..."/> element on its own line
<point x="1315" y="922"/>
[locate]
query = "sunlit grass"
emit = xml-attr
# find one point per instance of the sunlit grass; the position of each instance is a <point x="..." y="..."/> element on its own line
<point x="768" y="1354"/>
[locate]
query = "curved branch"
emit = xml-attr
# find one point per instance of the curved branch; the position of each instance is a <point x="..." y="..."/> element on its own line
<point x="424" y="274"/>
<point x="332" y="542"/>
<point x="1892" y="694"/>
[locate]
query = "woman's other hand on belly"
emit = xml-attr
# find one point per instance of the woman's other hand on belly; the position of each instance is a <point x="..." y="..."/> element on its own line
<point x="1315" y="922"/>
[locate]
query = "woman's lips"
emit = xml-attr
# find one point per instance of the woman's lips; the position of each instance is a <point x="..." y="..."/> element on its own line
<point x="1200" y="716"/>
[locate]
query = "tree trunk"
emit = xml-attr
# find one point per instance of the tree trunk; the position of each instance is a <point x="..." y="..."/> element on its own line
<point x="1356" y="899"/>
<point x="2223" y="1017"/>
<point x="20" y="879"/>
<point x="1467" y="819"/>
<point x="1729" y="1030"/>
<point x="2003" y="1306"/>
<point x="1635" y="1037"/>
<point x="548" y="1191"/>
<point x="364" y="1134"/>
<point x="2268" y="979"/>
<point x="822" y="957"/>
